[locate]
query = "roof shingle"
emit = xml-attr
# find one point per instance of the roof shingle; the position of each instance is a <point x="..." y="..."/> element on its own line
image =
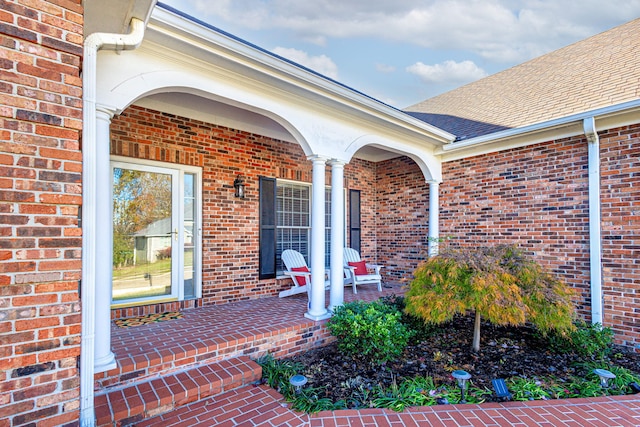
<point x="597" y="72"/>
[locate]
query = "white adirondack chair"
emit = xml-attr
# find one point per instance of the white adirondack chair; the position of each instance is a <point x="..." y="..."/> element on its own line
<point x="373" y="275"/>
<point x="293" y="260"/>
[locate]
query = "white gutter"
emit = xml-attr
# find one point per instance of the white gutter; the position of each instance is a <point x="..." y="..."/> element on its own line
<point x="92" y="44"/>
<point x="536" y="127"/>
<point x="595" y="241"/>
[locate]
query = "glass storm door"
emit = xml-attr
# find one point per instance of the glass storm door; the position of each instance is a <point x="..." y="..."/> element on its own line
<point x="147" y="239"/>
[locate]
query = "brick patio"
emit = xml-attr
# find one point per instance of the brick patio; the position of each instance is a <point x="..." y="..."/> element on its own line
<point x="199" y="371"/>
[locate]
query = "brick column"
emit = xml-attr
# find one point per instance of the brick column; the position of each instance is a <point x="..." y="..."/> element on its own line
<point x="40" y="194"/>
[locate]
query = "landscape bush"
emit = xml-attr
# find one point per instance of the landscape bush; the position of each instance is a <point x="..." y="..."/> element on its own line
<point x="370" y="331"/>
<point x="587" y="340"/>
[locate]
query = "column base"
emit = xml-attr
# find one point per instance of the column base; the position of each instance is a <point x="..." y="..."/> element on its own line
<point x="318" y="317"/>
<point x="332" y="308"/>
<point x="105" y="363"/>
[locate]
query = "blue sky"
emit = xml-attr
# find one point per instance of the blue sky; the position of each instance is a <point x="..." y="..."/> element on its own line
<point x="404" y="51"/>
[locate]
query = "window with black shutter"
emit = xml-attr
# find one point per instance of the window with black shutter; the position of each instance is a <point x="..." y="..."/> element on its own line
<point x="267" y="269"/>
<point x="354" y="219"/>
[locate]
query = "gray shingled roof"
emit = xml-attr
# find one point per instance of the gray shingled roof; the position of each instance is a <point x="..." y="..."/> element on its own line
<point x="597" y="72"/>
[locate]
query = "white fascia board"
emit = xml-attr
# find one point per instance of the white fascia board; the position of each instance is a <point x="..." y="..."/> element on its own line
<point x="296" y="76"/>
<point x="607" y="117"/>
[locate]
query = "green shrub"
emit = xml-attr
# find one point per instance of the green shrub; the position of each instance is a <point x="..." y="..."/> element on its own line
<point x="370" y="331"/>
<point x="500" y="284"/>
<point x="617" y="385"/>
<point x="527" y="389"/>
<point x="276" y="373"/>
<point x="587" y="340"/>
<point x="420" y="330"/>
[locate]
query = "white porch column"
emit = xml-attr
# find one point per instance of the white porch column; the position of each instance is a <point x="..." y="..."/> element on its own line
<point x="104" y="357"/>
<point x="337" y="234"/>
<point x="317" y="309"/>
<point x="434" y="217"/>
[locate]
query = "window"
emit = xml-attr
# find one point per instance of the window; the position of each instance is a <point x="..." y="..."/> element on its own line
<point x="156" y="229"/>
<point x="293" y="209"/>
<point x="293" y="223"/>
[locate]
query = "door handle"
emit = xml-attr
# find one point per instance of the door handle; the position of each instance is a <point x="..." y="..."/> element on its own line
<point x="175" y="234"/>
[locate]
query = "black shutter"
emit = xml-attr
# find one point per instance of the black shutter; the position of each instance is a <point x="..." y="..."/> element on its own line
<point x="354" y="219"/>
<point x="267" y="269"/>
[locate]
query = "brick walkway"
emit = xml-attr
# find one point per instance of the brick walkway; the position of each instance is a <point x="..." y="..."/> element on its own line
<point x="246" y="328"/>
<point x="262" y="406"/>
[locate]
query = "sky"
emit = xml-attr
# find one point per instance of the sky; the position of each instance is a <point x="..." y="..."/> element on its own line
<point x="404" y="51"/>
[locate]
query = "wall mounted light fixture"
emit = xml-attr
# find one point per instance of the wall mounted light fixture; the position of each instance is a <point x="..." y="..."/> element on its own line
<point x="239" y="185"/>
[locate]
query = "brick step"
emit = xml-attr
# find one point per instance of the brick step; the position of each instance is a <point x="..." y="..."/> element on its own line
<point x="136" y="365"/>
<point x="127" y="405"/>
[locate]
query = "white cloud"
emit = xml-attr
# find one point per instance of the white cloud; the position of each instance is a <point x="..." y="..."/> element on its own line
<point x="448" y="72"/>
<point x="494" y="33"/>
<point x="385" y="69"/>
<point x="321" y="64"/>
<point x="498" y="30"/>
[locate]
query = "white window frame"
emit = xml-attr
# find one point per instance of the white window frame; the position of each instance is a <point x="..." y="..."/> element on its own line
<point x="178" y="200"/>
<point x="327" y="223"/>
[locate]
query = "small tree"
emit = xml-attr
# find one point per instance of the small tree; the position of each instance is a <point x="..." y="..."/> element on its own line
<point x="500" y="284"/>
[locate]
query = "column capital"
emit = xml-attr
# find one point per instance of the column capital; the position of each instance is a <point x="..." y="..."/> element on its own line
<point x="336" y="162"/>
<point x="105" y="113"/>
<point x="433" y="182"/>
<point x="316" y="158"/>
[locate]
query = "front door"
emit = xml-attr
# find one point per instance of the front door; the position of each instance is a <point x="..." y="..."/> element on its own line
<point x="154" y="244"/>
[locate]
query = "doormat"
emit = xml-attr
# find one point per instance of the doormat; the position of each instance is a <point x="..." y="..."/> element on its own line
<point x="149" y="318"/>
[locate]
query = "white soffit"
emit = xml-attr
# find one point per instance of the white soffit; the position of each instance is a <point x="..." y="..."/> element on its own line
<point x="114" y="16"/>
<point x="210" y="111"/>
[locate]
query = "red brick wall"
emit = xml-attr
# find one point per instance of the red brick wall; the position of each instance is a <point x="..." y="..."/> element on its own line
<point x="537" y="198"/>
<point x="620" y="187"/>
<point x="361" y="175"/>
<point x="402" y="215"/>
<point x="40" y="192"/>
<point x="230" y="225"/>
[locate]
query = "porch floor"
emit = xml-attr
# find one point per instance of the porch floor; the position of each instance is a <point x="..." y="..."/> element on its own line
<point x="219" y="332"/>
<point x="246" y="329"/>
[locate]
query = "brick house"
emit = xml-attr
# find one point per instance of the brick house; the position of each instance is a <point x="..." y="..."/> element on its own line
<point x="129" y="112"/>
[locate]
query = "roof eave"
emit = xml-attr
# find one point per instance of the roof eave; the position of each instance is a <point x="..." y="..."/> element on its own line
<point x="614" y="115"/>
<point x="286" y="70"/>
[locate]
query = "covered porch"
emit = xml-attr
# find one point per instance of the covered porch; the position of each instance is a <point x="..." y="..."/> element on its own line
<point x="197" y="109"/>
<point x="179" y="105"/>
<point x="209" y="352"/>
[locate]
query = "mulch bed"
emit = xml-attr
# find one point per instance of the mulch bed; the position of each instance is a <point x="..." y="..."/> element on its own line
<point x="504" y="352"/>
